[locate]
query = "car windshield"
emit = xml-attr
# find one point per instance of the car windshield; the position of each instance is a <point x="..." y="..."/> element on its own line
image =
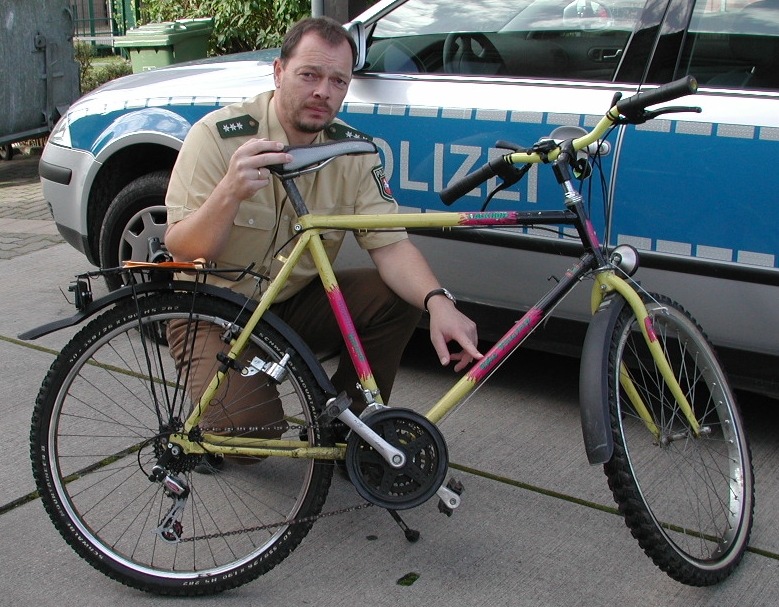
<point x="571" y="39"/>
<point x="418" y="18"/>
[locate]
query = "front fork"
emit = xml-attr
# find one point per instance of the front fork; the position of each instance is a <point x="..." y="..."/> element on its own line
<point x="607" y="282"/>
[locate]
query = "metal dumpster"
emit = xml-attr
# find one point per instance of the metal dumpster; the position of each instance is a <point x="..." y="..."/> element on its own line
<point x="160" y="44"/>
<point x="40" y="75"/>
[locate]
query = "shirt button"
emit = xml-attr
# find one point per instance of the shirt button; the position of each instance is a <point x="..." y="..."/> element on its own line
<point x="251" y="222"/>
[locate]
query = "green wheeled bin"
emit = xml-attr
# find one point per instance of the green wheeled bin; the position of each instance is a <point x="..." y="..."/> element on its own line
<point x="161" y="44"/>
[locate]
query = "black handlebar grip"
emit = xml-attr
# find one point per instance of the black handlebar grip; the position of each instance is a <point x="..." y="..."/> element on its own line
<point x="455" y="190"/>
<point x="673" y="90"/>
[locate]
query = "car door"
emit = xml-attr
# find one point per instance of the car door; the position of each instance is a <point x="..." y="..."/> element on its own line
<point x="696" y="192"/>
<point x="442" y="84"/>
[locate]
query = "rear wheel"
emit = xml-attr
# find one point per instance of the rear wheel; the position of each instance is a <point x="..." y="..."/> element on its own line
<point x="687" y="497"/>
<point x="101" y="423"/>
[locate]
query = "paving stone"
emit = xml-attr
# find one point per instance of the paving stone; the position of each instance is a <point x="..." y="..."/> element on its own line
<point x="26" y="224"/>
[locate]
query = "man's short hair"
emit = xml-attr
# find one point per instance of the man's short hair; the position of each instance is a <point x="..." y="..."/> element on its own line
<point x="326" y="28"/>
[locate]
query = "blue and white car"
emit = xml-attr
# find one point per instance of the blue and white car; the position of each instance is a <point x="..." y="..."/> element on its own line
<point x="438" y="84"/>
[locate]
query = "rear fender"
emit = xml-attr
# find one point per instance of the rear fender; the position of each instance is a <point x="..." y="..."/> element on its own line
<point x="188" y="286"/>
<point x="594" y="380"/>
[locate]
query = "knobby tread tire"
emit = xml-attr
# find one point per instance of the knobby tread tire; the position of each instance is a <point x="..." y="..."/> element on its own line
<point x="687" y="500"/>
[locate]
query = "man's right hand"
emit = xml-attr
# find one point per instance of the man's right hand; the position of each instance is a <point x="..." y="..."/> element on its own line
<point x="205" y="233"/>
<point x="248" y="171"/>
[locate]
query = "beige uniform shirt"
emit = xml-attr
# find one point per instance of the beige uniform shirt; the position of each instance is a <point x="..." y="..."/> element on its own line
<point x="263" y="227"/>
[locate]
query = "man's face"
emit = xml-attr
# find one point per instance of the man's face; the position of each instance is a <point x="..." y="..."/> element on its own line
<point x="311" y="86"/>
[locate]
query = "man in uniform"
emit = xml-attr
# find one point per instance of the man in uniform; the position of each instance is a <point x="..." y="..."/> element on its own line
<point x="224" y="206"/>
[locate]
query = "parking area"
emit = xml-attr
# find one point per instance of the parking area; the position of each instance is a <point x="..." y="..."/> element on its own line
<point x="537" y="525"/>
<point x="25" y="221"/>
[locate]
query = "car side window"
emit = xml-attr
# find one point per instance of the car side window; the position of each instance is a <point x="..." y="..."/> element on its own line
<point x="566" y="39"/>
<point x="734" y="44"/>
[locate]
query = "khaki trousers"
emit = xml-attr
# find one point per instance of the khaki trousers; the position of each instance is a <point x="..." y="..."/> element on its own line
<point x="384" y="323"/>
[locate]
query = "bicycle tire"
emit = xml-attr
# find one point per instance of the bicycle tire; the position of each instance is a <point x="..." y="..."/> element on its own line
<point x="687" y="500"/>
<point x="99" y="425"/>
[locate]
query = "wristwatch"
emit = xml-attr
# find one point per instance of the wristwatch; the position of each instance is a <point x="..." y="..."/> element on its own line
<point x="435" y="292"/>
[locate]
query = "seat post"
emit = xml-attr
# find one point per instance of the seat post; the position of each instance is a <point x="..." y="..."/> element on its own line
<point x="294" y="196"/>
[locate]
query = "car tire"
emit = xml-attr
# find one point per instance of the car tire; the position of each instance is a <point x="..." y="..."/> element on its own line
<point x="136" y="214"/>
<point x="7" y="151"/>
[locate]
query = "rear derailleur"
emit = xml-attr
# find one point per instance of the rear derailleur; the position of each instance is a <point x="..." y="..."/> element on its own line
<point x="170" y="528"/>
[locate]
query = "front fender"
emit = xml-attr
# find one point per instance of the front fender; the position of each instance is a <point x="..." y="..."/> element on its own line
<point x="189" y="286"/>
<point x="594" y="380"/>
<point x="147" y="125"/>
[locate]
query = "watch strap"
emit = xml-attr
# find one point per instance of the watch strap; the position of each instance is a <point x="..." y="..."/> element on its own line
<point x="435" y="292"/>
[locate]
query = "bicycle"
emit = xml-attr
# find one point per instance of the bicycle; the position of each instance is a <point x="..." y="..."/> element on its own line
<point x="150" y="498"/>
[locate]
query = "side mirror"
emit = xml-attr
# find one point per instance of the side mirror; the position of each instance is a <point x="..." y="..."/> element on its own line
<point x="356" y="30"/>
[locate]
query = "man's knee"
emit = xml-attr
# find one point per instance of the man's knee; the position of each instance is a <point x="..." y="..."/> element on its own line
<point x="371" y="301"/>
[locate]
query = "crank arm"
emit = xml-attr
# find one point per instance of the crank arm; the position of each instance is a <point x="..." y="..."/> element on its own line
<point x="450" y="499"/>
<point x="394" y="457"/>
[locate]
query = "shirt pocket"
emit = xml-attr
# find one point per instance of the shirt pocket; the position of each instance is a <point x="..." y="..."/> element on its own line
<point x="256" y="216"/>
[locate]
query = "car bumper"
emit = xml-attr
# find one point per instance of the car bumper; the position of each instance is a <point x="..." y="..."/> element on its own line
<point x="63" y="173"/>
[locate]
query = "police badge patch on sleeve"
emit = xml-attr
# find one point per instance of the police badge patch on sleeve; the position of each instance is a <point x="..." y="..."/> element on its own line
<point x="382" y="183"/>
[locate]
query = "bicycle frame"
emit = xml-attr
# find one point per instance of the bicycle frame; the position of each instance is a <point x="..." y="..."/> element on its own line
<point x="309" y="228"/>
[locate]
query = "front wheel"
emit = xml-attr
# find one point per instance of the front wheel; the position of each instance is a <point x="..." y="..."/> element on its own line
<point x="686" y="496"/>
<point x="137" y="214"/>
<point x="7" y="151"/>
<point x="120" y="387"/>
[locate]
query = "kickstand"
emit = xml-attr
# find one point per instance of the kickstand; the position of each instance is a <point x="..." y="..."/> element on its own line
<point x="412" y="535"/>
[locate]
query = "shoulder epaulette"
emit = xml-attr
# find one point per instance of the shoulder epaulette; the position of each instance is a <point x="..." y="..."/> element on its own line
<point x="338" y="130"/>
<point x="238" y="126"/>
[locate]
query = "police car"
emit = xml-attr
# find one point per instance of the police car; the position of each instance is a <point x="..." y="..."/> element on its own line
<point x="438" y="84"/>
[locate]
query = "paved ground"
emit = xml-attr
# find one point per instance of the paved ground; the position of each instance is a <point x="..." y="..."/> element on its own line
<point x="25" y="221"/>
<point x="537" y="526"/>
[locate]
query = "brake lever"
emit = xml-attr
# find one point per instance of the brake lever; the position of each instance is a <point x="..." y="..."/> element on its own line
<point x="671" y="110"/>
<point x="502" y="144"/>
<point x="648" y="115"/>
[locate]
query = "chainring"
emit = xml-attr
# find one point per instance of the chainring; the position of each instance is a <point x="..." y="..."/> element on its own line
<point x="418" y="479"/>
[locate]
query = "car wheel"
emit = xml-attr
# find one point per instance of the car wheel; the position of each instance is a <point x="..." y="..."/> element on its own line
<point x="133" y="217"/>
<point x="7" y="151"/>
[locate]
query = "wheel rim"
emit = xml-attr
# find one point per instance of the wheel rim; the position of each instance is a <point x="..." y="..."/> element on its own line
<point x="147" y="223"/>
<point x="108" y="497"/>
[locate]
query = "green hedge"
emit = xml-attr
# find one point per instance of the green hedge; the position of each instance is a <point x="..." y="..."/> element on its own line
<point x="239" y="25"/>
<point x="96" y="70"/>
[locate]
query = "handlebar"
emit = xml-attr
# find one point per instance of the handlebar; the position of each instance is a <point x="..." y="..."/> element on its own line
<point x="631" y="110"/>
<point x="460" y="188"/>
<point x="633" y="107"/>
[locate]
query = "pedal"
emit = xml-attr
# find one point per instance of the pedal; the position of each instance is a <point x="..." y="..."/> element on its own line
<point x="335" y="406"/>
<point x="449" y="496"/>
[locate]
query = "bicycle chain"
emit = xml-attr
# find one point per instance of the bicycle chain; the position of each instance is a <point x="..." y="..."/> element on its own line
<point x="233" y="430"/>
<point x="296" y="521"/>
